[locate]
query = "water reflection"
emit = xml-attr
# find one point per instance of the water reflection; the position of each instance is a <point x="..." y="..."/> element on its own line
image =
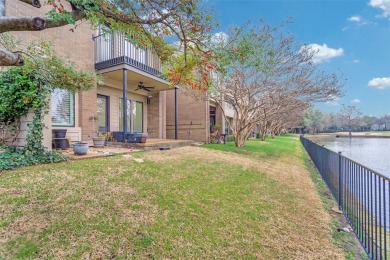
<point x="373" y="153"/>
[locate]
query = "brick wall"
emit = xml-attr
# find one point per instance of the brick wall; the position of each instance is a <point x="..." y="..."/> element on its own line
<point x="193" y="117"/>
<point x="76" y="46"/>
<point x="157" y="115"/>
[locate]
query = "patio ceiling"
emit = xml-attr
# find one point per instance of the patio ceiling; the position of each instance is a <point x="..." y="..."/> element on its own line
<point x="113" y="78"/>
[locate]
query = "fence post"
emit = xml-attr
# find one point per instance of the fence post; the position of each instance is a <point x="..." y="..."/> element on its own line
<point x="340" y="179"/>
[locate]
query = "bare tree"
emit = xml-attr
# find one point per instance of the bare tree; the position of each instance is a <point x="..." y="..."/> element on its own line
<point x="350" y="116"/>
<point x="313" y="120"/>
<point x="281" y="114"/>
<point x="385" y="120"/>
<point x="263" y="71"/>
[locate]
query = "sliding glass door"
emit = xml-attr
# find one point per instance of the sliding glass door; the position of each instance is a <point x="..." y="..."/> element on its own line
<point x="135" y="116"/>
<point x="103" y="112"/>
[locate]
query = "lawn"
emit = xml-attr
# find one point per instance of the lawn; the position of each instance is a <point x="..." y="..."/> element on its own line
<point x="276" y="147"/>
<point x="192" y="202"/>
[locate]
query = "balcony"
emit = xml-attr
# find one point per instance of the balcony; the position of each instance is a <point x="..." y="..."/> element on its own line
<point x="116" y="49"/>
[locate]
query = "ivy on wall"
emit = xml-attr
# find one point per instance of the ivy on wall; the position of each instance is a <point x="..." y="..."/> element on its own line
<point x="28" y="88"/>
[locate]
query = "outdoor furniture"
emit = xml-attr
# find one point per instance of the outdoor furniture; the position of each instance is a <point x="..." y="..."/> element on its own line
<point x="129" y="138"/>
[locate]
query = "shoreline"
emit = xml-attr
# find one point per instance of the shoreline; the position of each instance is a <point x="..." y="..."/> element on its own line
<point x="346" y="135"/>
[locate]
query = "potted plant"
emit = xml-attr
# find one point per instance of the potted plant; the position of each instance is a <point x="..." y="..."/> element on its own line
<point x="101" y="139"/>
<point x="98" y="141"/>
<point x="143" y="138"/>
<point x="59" y="133"/>
<point x="80" y="148"/>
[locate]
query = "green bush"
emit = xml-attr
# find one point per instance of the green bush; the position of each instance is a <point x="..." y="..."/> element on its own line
<point x="19" y="92"/>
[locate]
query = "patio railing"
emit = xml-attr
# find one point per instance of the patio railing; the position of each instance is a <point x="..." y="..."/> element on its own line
<point x="117" y="48"/>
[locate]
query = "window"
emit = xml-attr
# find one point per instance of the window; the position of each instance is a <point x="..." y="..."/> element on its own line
<point x="135" y="116"/>
<point x="62" y="107"/>
<point x="103" y="122"/>
<point x="138" y="112"/>
<point x="121" y="115"/>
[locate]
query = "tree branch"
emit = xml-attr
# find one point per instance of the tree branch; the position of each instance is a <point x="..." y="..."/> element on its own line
<point x="35" y="3"/>
<point x="8" y="58"/>
<point x="30" y="23"/>
<point x="135" y="20"/>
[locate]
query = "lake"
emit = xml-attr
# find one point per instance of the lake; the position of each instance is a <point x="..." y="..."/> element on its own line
<point x="373" y="153"/>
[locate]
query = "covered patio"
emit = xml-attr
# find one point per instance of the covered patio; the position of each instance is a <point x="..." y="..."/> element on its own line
<point x="115" y="148"/>
<point x="152" y="144"/>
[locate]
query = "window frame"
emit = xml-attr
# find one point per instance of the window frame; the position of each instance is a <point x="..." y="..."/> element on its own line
<point x="107" y="115"/>
<point x="72" y="108"/>
<point x="130" y="116"/>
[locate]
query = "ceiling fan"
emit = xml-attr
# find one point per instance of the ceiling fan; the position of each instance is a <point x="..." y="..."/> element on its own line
<point x="142" y="87"/>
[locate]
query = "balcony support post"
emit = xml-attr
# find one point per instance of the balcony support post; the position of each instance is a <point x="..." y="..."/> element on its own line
<point x="124" y="104"/>
<point x="176" y="113"/>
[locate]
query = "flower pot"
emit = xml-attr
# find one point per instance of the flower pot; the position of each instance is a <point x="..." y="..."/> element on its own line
<point x="59" y="133"/>
<point x="60" y="143"/>
<point x="80" y="148"/>
<point x="143" y="138"/>
<point x="214" y="141"/>
<point x="98" y="141"/>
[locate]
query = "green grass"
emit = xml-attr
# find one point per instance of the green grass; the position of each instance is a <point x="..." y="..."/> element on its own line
<point x="188" y="203"/>
<point x="347" y="241"/>
<point x="276" y="147"/>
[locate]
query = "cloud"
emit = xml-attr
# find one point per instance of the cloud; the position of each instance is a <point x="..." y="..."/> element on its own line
<point x="379" y="83"/>
<point x="334" y="101"/>
<point x="219" y="37"/>
<point x="384" y="5"/>
<point x="355" y="18"/>
<point x="356" y="61"/>
<point x="324" y="53"/>
<point x="360" y="21"/>
<point x="355" y="101"/>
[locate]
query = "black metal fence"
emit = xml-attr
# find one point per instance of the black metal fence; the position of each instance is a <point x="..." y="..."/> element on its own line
<point x="362" y="195"/>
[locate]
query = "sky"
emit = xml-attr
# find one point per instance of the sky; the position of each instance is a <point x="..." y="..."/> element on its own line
<point x="352" y="38"/>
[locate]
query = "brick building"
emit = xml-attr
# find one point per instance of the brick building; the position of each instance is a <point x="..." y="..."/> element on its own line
<point x="123" y="66"/>
<point x="197" y="115"/>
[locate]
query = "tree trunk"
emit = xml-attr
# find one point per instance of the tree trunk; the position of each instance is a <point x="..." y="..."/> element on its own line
<point x="263" y="135"/>
<point x="239" y="140"/>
